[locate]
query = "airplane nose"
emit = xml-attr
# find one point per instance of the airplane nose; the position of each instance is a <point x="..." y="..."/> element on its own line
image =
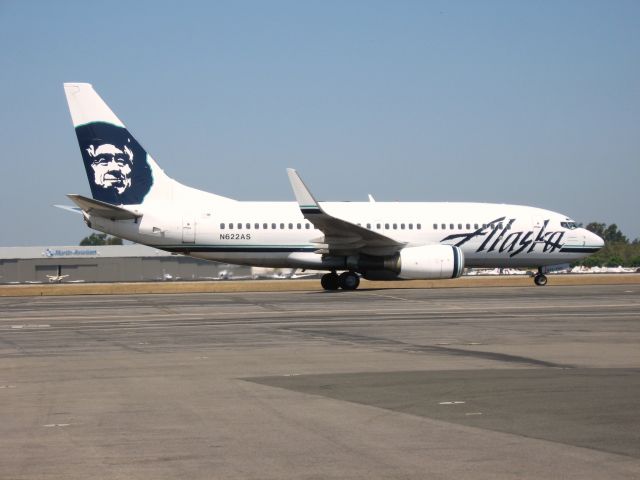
<point x="593" y="240"/>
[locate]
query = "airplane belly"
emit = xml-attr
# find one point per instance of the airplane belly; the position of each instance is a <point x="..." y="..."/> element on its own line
<point x="475" y="260"/>
<point x="271" y="259"/>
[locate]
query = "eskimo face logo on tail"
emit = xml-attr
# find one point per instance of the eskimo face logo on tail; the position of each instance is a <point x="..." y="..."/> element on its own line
<point x="111" y="166"/>
<point x="115" y="163"/>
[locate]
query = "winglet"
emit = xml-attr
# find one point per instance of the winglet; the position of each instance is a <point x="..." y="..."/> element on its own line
<point x="305" y="199"/>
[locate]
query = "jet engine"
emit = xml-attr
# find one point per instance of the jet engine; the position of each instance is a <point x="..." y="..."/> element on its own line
<point x="425" y="262"/>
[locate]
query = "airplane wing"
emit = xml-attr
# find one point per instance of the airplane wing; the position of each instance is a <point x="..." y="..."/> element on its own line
<point x="103" y="209"/>
<point x="340" y="236"/>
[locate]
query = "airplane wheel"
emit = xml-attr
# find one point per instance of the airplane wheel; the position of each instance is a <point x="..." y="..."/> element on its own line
<point x="330" y="281"/>
<point x="540" y="280"/>
<point x="349" y="280"/>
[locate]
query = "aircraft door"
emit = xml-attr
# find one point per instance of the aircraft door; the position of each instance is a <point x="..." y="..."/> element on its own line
<point x="188" y="230"/>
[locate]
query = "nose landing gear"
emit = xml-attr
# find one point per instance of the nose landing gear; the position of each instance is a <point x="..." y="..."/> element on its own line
<point x="346" y="281"/>
<point x="540" y="278"/>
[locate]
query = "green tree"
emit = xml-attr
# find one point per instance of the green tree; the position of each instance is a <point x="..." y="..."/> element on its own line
<point x="615" y="261"/>
<point x="100" y="239"/>
<point x="612" y="234"/>
<point x="609" y="233"/>
<point x="597" y="228"/>
<point x="617" y="249"/>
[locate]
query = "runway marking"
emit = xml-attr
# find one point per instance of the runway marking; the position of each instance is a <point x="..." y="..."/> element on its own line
<point x="278" y="320"/>
<point x="7" y="386"/>
<point x="473" y="413"/>
<point x="417" y="300"/>
<point x="50" y="425"/>
<point x="17" y="327"/>
<point x="451" y="403"/>
<point x="395" y="298"/>
<point x="323" y="313"/>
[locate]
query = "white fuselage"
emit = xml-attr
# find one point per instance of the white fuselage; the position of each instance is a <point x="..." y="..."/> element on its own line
<point x="133" y="198"/>
<point x="275" y="234"/>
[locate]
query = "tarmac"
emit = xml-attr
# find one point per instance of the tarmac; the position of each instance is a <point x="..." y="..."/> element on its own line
<point x="514" y="382"/>
<point x="225" y="286"/>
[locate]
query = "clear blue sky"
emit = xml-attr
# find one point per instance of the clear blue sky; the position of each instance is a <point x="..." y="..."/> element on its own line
<point x="534" y="103"/>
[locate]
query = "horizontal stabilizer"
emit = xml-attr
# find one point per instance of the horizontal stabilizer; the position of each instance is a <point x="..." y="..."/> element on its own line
<point x="102" y="209"/>
<point x="69" y="208"/>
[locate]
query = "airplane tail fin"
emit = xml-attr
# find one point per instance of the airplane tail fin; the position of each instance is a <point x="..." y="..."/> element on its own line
<point x="119" y="169"/>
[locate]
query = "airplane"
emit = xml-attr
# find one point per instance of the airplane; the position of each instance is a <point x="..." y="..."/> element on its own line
<point x="133" y="198"/>
<point x="279" y="273"/>
<point x="58" y="278"/>
<point x="167" y="276"/>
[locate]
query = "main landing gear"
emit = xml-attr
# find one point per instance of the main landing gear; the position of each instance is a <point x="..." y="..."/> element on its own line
<point x="346" y="281"/>
<point x="540" y="278"/>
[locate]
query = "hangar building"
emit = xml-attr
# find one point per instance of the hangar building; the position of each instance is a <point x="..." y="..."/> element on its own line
<point x="107" y="263"/>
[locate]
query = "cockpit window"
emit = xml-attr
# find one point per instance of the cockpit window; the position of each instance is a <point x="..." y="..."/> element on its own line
<point x="569" y="225"/>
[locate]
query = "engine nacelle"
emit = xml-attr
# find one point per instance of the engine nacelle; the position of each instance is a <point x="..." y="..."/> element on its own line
<point x="426" y="262"/>
<point x="431" y="262"/>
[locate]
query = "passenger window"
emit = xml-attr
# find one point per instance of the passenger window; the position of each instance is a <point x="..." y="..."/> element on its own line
<point x="484" y="225"/>
<point x="468" y="226"/>
<point x="299" y="226"/>
<point x="239" y="226"/>
<point x="459" y="226"/>
<point x="273" y="226"/>
<point x="282" y="226"/>
<point x="402" y="226"/>
<point x="435" y="226"/>
<point x="291" y="226"/>
<point x="411" y="226"/>
<point x="307" y="226"/>
<point x="419" y="226"/>
<point x="265" y="226"/>
<point x="395" y="226"/>
<point x="451" y="227"/>
<point x="475" y="225"/>
<point x="248" y="225"/>
<point x="386" y="226"/>
<point x="222" y="226"/>
<point x="369" y="226"/>
<point x="377" y="226"/>
<point x="444" y="226"/>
